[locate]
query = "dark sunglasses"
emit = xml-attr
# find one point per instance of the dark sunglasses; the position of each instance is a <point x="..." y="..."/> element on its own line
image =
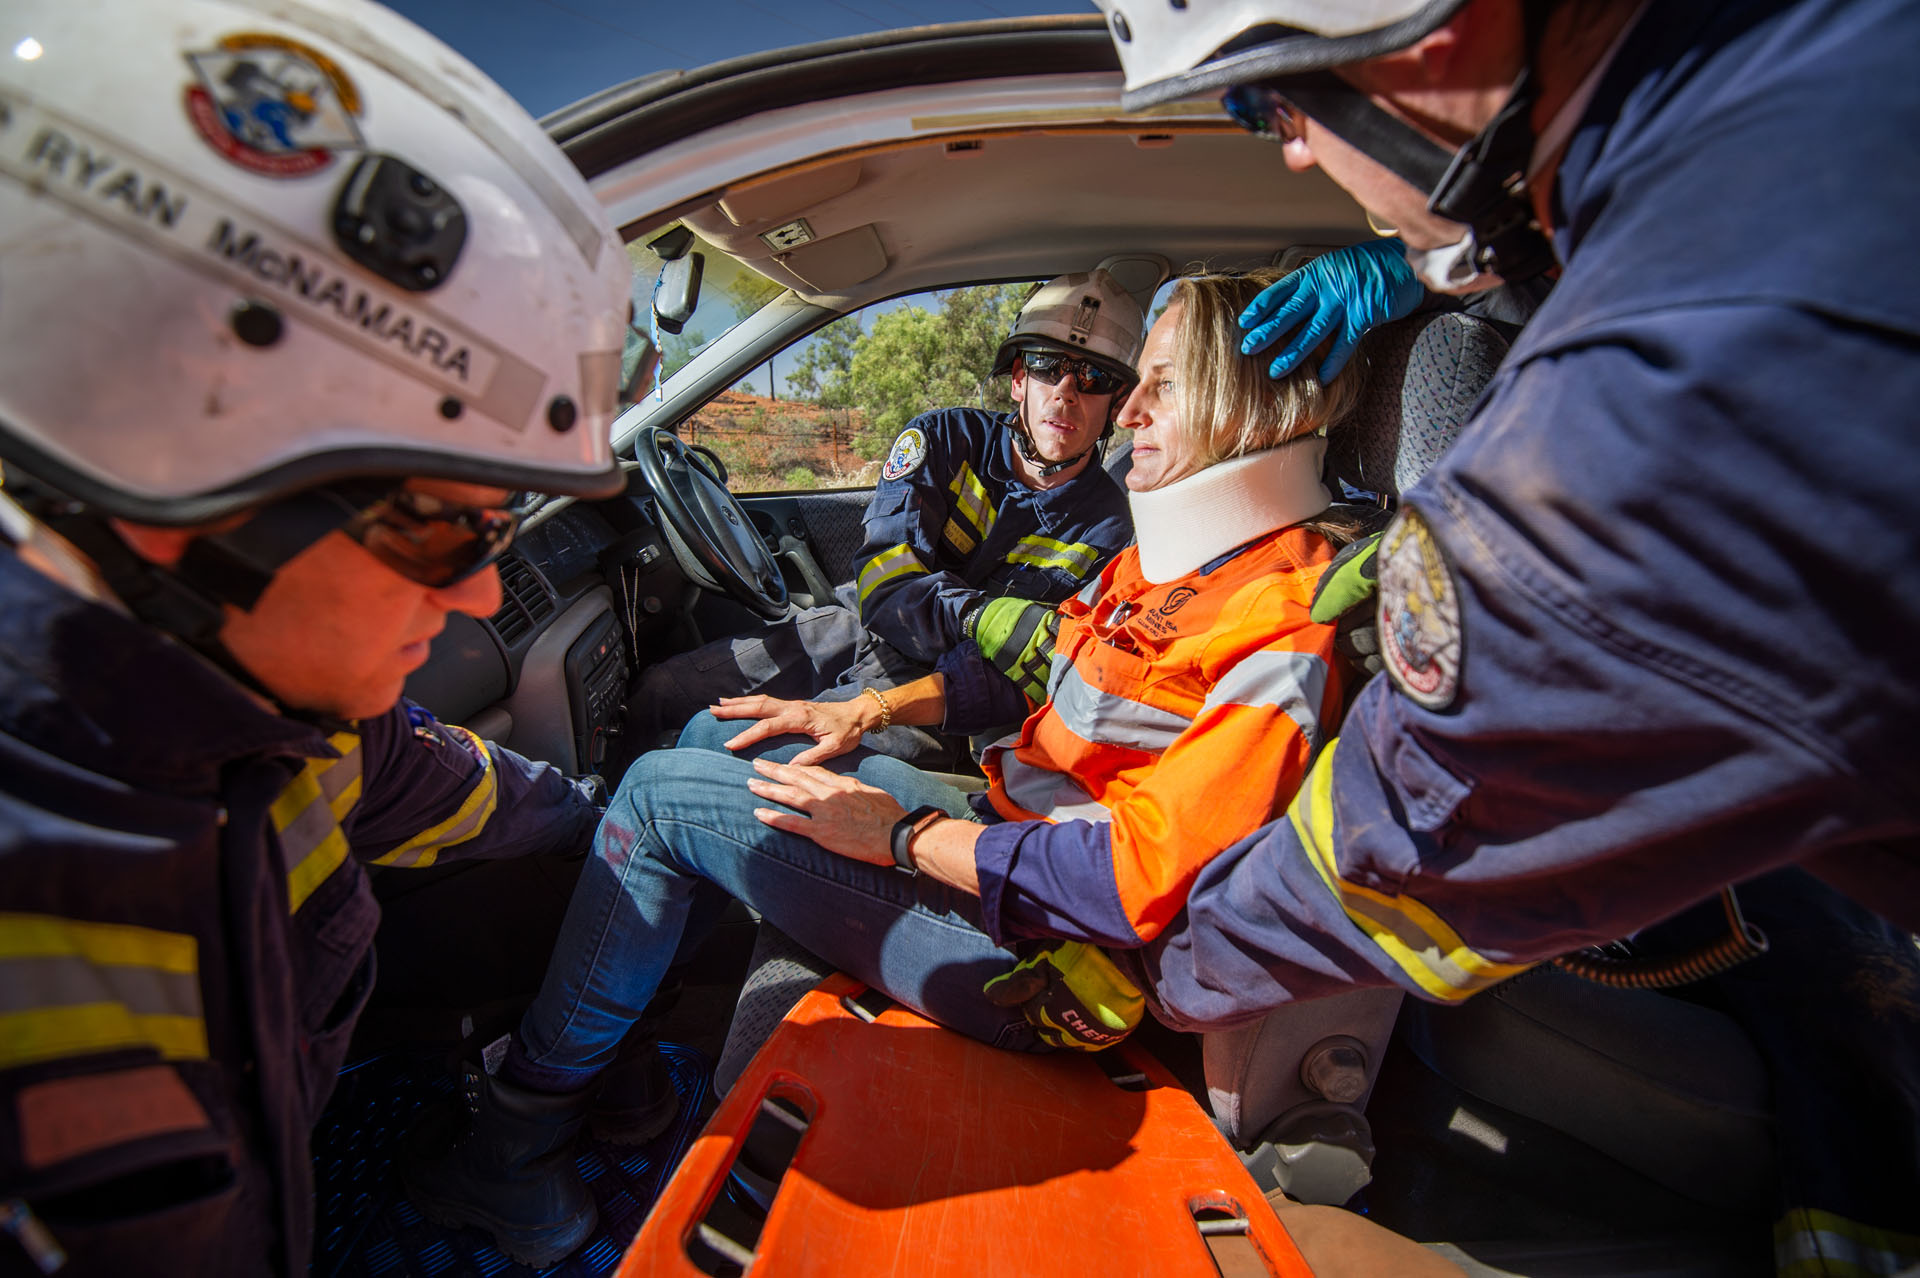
<point x="1090" y="378"/>
<point x="430" y="540"/>
<point x="1262" y="112"/>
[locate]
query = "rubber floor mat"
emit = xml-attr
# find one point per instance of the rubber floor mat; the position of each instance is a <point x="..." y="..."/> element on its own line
<point x="366" y="1226"/>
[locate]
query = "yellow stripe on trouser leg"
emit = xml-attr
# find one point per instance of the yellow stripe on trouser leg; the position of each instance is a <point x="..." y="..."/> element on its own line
<point x="1416" y="939"/>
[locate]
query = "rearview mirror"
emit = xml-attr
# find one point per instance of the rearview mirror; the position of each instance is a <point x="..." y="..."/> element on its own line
<point x="677" y="292"/>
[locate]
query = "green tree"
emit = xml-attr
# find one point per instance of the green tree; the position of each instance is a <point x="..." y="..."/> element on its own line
<point x="916" y="359"/>
<point x="819" y="374"/>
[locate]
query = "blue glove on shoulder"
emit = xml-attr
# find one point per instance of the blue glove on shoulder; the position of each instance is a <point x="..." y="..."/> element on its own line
<point x="1343" y="293"/>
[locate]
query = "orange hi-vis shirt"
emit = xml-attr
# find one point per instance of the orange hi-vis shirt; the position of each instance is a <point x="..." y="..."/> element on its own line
<point x="1180" y="718"/>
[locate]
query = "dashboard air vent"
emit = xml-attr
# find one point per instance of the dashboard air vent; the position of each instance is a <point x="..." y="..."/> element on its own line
<point x="524" y="602"/>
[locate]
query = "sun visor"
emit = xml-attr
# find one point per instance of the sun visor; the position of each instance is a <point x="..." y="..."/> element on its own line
<point x="788" y="193"/>
<point x="837" y="263"/>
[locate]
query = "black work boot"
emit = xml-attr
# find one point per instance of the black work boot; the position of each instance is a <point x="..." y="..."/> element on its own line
<point x="636" y="1101"/>
<point x="511" y="1174"/>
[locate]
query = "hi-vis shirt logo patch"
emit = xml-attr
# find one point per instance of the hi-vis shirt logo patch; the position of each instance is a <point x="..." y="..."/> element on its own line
<point x="273" y="105"/>
<point x="905" y="456"/>
<point x="1420" y="632"/>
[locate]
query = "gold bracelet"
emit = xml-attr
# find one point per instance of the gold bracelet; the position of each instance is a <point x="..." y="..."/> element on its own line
<point x="886" y="709"/>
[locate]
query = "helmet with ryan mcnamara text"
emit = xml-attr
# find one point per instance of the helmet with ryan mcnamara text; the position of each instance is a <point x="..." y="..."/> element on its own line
<point x="1086" y="313"/>
<point x="251" y="247"/>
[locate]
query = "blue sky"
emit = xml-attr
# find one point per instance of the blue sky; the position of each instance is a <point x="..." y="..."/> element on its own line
<point x="549" y="53"/>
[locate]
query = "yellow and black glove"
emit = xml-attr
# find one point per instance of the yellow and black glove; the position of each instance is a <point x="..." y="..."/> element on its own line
<point x="1346" y="597"/>
<point x="1016" y="637"/>
<point x="1072" y="994"/>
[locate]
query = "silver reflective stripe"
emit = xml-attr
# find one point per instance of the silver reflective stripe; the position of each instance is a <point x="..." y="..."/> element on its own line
<point x="307" y="817"/>
<point x="69" y="980"/>
<point x="1075" y="558"/>
<point x="1058" y="671"/>
<point x="1106" y="718"/>
<point x="1053" y="795"/>
<point x="898" y="561"/>
<point x="971" y="501"/>
<point x="1295" y="682"/>
<point x="1812" y="1241"/>
<point x="1090" y="595"/>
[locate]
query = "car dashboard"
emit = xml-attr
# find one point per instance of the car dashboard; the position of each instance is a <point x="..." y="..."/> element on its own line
<point x="589" y="592"/>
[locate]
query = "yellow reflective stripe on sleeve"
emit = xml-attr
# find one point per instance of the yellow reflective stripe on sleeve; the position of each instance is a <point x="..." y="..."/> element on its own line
<point x="959" y="538"/>
<point x="50" y="1033"/>
<point x="1810" y="1243"/>
<point x="467" y="821"/>
<point x="971" y="503"/>
<point x="1410" y="934"/>
<point x="307" y="817"/>
<point x="69" y="988"/>
<point x="109" y="944"/>
<point x="1076" y="557"/>
<point x="900" y="561"/>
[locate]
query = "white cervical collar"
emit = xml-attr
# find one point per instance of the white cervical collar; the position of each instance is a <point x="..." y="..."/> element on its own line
<point x="1194" y="521"/>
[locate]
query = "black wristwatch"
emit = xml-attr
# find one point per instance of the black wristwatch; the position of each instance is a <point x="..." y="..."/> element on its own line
<point x="901" y="840"/>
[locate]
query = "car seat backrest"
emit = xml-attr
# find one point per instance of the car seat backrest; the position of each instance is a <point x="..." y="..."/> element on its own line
<point x="1425" y="374"/>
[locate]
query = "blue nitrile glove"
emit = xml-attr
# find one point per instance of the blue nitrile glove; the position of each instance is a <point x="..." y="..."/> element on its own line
<point x="1343" y="293"/>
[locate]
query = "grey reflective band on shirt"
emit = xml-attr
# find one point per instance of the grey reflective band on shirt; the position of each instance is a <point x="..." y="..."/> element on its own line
<point x="1295" y="682"/>
<point x="1106" y="718"/>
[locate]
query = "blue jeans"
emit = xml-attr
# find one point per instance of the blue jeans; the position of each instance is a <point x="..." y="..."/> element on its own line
<point x="679" y="837"/>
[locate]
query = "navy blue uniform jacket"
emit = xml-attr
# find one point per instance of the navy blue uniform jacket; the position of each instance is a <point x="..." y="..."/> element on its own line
<point x="186" y="928"/>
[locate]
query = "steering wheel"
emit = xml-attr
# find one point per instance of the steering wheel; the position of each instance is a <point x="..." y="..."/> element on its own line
<point x="715" y="540"/>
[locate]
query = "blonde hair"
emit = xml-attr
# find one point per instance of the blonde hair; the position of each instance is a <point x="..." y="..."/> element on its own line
<point x="1229" y="407"/>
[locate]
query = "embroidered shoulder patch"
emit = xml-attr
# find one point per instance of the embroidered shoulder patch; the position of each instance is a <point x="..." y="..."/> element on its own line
<point x="908" y="451"/>
<point x="1420" y="630"/>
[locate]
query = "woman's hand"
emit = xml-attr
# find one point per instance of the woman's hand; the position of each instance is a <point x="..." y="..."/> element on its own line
<point x="839" y="813"/>
<point x="835" y="726"/>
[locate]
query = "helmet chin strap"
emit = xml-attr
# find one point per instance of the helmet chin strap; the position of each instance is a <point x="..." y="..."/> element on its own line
<point x="1482" y="185"/>
<point x="187" y="600"/>
<point x="1024" y="438"/>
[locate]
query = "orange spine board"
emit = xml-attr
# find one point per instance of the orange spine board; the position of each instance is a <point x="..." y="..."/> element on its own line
<point x="927" y="1153"/>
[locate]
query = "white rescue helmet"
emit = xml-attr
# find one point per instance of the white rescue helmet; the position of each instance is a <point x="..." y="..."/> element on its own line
<point x="1086" y="313"/>
<point x="251" y="248"/>
<point x="1169" y="49"/>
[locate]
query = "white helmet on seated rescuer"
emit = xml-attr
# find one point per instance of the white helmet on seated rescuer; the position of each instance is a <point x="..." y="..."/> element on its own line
<point x="254" y="248"/>
<point x="1266" y="57"/>
<point x="1085" y="314"/>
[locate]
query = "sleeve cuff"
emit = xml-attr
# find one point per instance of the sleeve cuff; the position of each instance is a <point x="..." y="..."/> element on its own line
<point x="993" y="856"/>
<point x="979" y="697"/>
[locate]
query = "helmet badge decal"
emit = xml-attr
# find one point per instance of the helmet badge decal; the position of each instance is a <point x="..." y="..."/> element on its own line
<point x="273" y="105"/>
